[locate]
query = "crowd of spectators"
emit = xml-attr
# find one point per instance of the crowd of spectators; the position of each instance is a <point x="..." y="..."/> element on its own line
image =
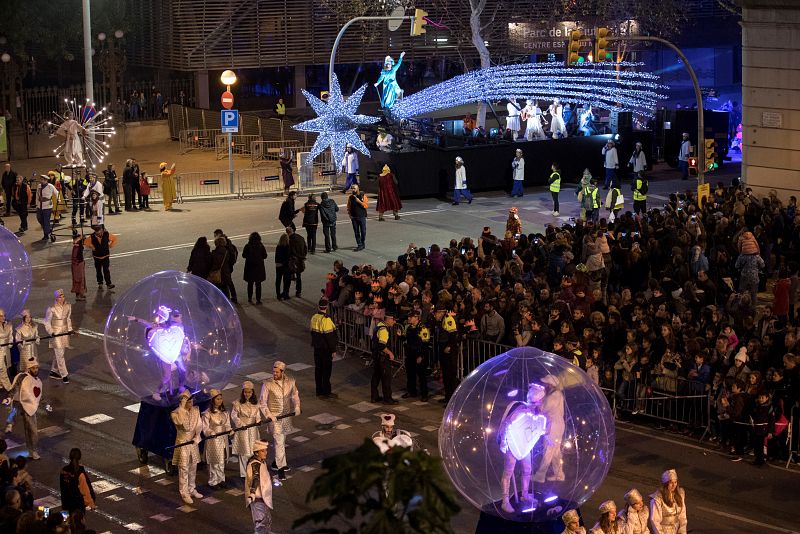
<point x="667" y="301"/>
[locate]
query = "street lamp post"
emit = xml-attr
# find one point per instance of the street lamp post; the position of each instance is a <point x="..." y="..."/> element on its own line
<point x="228" y="78"/>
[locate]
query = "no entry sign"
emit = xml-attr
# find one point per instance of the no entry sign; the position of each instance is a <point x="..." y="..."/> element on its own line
<point x="227" y="100"/>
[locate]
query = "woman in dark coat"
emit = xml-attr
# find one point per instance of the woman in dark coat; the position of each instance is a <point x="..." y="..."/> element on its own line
<point x="222" y="263"/>
<point x="286" y="171"/>
<point x="255" y="272"/>
<point x="76" y="488"/>
<point x="200" y="258"/>
<point x="282" y="273"/>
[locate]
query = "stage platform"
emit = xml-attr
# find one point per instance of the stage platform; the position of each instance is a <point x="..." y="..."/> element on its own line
<point x="431" y="172"/>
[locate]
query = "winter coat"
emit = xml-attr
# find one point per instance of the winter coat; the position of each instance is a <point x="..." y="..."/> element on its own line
<point x="200" y="262"/>
<point x="327" y="211"/>
<point x="254" y="256"/>
<point x="220" y="261"/>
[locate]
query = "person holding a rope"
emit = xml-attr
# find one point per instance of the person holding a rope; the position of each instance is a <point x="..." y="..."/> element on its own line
<point x="216" y="421"/>
<point x="187" y="421"/>
<point x="245" y="413"/>
<point x="27" y="339"/>
<point x="58" y="320"/>
<point x="258" y="488"/>
<point x="279" y="397"/>
<point x="6" y="341"/>
<point x="26" y="394"/>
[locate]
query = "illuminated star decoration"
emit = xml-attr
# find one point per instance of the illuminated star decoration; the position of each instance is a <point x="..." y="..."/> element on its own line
<point x="98" y="127"/>
<point x="336" y="122"/>
<point x="600" y="84"/>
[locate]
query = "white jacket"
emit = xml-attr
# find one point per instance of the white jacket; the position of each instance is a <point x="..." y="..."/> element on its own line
<point x="28" y="392"/>
<point x="461" y="178"/>
<point x="519" y="168"/>
<point x="612" y="161"/>
<point x="639" y="162"/>
<point x="261" y="488"/>
<point x="350" y="162"/>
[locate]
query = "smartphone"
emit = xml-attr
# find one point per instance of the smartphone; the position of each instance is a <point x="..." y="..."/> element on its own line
<point x="635" y="234"/>
<point x="463" y="250"/>
<point x="45" y="511"/>
<point x="624" y="234"/>
<point x="513" y="252"/>
<point x="65" y="515"/>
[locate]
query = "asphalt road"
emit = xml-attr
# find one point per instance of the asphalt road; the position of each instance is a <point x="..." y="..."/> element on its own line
<point x="722" y="496"/>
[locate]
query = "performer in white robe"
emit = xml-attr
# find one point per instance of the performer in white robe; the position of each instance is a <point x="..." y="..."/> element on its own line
<point x="553" y="409"/>
<point x="71" y="130"/>
<point x="258" y="489"/>
<point x="532" y="114"/>
<point x="512" y="121"/>
<point x="27" y="338"/>
<point x="389" y="437"/>
<point x="26" y="394"/>
<point x="215" y="421"/>
<point x="6" y="341"/>
<point x="557" y="127"/>
<point x="245" y="412"/>
<point x="635" y="517"/>
<point x="279" y="396"/>
<point x="668" y="506"/>
<point x="189" y="425"/>
<point x="58" y="320"/>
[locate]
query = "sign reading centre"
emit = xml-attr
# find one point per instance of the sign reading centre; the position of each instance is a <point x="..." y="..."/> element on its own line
<point x="230" y="121"/>
<point x="541" y="37"/>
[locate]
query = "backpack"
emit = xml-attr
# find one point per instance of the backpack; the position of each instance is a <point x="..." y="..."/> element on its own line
<point x="233" y="251"/>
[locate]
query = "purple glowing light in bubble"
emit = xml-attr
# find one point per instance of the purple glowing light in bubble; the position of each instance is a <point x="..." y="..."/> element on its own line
<point x="551" y="498"/>
<point x="167" y="342"/>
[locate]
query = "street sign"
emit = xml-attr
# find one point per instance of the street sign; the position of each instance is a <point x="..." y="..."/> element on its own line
<point x="87" y="113"/>
<point x="269" y="178"/>
<point x="227" y="100"/>
<point x="327" y="173"/>
<point x="230" y="121"/>
<point x="209" y="182"/>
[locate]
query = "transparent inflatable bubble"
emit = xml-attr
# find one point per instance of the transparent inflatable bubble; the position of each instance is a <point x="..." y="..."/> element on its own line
<point x="15" y="273"/>
<point x="172" y="331"/>
<point x="526" y="436"/>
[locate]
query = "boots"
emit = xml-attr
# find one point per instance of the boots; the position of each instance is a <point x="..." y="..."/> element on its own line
<point x="396" y="216"/>
<point x="505" y="482"/>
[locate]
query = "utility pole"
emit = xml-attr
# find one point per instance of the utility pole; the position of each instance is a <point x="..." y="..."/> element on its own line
<point x="701" y="131"/>
<point x="87" y="51"/>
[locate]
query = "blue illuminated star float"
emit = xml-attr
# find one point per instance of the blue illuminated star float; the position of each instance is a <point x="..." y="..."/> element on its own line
<point x="336" y="122"/>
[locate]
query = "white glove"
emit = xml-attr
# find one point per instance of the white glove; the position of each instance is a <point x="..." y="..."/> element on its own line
<point x="297" y="411"/>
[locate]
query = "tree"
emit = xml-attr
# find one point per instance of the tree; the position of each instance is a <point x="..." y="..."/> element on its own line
<point x="403" y="491"/>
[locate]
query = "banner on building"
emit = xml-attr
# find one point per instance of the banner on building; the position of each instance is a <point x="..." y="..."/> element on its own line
<point x="543" y="37"/>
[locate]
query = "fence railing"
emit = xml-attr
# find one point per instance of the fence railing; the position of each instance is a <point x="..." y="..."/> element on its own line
<point x="263" y="151"/>
<point x="240" y="144"/>
<point x="198" y="139"/>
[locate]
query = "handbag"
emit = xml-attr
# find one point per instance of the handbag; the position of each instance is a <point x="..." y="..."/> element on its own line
<point x="215" y="276"/>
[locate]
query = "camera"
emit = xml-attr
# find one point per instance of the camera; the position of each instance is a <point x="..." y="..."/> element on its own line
<point x="45" y="511"/>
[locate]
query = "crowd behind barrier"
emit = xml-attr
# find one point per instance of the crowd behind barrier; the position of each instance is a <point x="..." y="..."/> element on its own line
<point x="668" y="311"/>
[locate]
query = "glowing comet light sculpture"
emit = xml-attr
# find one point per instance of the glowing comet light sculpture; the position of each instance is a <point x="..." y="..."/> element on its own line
<point x="95" y="134"/>
<point x="599" y="86"/>
<point x="336" y="122"/>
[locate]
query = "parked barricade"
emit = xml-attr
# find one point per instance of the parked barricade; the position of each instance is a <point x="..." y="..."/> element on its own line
<point x="259" y="181"/>
<point x="263" y="151"/>
<point x="673" y="400"/>
<point x="204" y="184"/>
<point x="240" y="144"/>
<point x="199" y="139"/>
<point x="793" y="435"/>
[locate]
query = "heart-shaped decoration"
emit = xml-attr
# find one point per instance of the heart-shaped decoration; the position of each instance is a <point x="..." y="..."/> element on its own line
<point x="524" y="431"/>
<point x="166" y="343"/>
<point x="37" y="391"/>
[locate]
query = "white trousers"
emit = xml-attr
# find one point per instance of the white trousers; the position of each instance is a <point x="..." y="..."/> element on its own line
<point x="216" y="473"/>
<point x="242" y="465"/>
<point x="186" y="476"/>
<point x="59" y="365"/>
<point x="280" y="449"/>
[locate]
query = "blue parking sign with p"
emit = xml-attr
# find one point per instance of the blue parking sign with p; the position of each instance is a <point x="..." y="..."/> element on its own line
<point x="230" y="120"/>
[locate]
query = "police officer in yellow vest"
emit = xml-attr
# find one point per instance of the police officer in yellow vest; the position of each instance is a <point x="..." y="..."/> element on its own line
<point x="382" y="357"/>
<point x="280" y="109"/>
<point x="418" y="339"/>
<point x="555" y="186"/>
<point x="591" y="203"/>
<point x="449" y="353"/>
<point x="615" y="202"/>
<point x="640" y="187"/>
<point x="324" y="339"/>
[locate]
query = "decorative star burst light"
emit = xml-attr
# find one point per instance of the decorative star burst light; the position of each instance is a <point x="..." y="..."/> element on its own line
<point x="96" y="142"/>
<point x="600" y="86"/>
<point x="336" y="122"/>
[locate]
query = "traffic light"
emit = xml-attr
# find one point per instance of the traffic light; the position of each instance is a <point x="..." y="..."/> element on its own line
<point x="692" y="166"/>
<point x="711" y="155"/>
<point x="573" y="47"/>
<point x="418" y="26"/>
<point x="601" y="52"/>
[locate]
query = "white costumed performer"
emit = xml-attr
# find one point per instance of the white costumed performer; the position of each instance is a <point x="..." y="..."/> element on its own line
<point x="245" y="412"/>
<point x="216" y="421"/>
<point x="71" y="130"/>
<point x="189" y="425"/>
<point x="668" y="506"/>
<point x="389" y="437"/>
<point x="58" y="322"/>
<point x="553" y="409"/>
<point x="512" y="121"/>
<point x="26" y="394"/>
<point x="279" y="396"/>
<point x="557" y="127"/>
<point x="258" y="489"/>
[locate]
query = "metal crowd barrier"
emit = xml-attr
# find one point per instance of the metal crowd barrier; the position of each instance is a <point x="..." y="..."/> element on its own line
<point x="199" y="139"/>
<point x="240" y="144"/>
<point x="793" y="436"/>
<point x="673" y="400"/>
<point x="262" y="151"/>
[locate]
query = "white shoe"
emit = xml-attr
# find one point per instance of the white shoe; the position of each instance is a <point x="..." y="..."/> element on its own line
<point x="187" y="499"/>
<point x="197" y="495"/>
<point x="555" y="214"/>
<point x="556" y="478"/>
<point x="506" y="507"/>
<point x="9" y="428"/>
<point x="35" y="455"/>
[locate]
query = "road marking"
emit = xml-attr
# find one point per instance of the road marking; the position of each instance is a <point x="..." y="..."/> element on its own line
<point x="693" y="446"/>
<point x="748" y="521"/>
<point x="190" y="245"/>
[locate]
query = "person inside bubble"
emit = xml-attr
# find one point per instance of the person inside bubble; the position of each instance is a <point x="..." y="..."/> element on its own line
<point x="553" y="410"/>
<point x="520" y="429"/>
<point x="167" y="340"/>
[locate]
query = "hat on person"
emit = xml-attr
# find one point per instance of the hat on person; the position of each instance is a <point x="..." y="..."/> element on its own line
<point x="459" y="159"/>
<point x="58" y="293"/>
<point x="741" y="356"/>
<point x="670" y="475"/>
<point x="551" y="380"/>
<point x="513" y="210"/>
<point x="323" y="304"/>
<point x="214" y="393"/>
<point x="279" y="365"/>
<point x="633" y="497"/>
<point x="163" y="313"/>
<point x="570" y="516"/>
<point x="185" y="394"/>
<point x="162" y="165"/>
<point x="259" y="445"/>
<point x="487" y="230"/>
<point x="26" y="313"/>
<point x="387" y="419"/>
<point x="248" y="385"/>
<point x="607" y="506"/>
<point x="386" y="170"/>
<point x="33" y="361"/>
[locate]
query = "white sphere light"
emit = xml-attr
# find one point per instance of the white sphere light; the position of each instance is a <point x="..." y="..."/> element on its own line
<point x="6" y="57"/>
<point x="101" y="36"/>
<point x="228" y="77"/>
